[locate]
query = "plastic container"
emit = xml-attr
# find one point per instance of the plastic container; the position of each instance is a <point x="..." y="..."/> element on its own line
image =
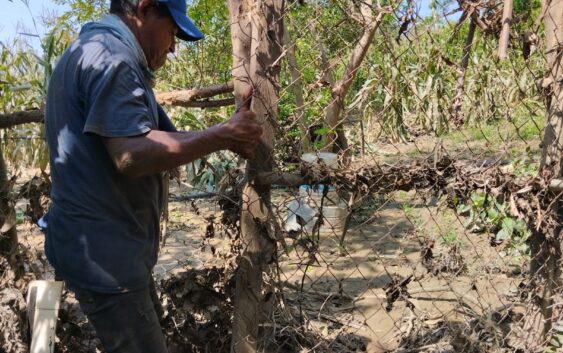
<point x="318" y="160"/>
<point x="304" y="212"/>
<point x="313" y="195"/>
<point x="339" y="211"/>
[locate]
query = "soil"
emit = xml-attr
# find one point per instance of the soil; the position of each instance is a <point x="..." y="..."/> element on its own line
<point x="408" y="276"/>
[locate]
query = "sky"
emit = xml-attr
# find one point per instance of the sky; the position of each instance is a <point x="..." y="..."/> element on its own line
<point x="17" y="18"/>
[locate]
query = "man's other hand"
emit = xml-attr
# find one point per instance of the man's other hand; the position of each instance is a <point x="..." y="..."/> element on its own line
<point x="242" y="133"/>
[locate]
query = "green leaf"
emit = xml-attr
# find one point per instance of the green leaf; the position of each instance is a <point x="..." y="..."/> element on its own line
<point x="461" y="209"/>
<point x="468" y="223"/>
<point x="478" y="199"/>
<point x="520" y="227"/>
<point x="508" y="224"/>
<point x="322" y="131"/>
<point x="19" y="216"/>
<point x="492" y="214"/>
<point x="502" y="235"/>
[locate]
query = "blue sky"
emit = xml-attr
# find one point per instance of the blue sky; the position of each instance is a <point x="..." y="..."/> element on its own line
<point x="16" y="17"/>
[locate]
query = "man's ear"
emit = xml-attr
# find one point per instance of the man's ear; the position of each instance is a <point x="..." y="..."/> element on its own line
<point x="143" y="8"/>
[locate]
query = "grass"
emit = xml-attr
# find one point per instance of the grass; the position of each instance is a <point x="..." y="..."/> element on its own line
<point x="413" y="216"/>
<point x="449" y="236"/>
<point x="521" y="129"/>
<point x="485" y="138"/>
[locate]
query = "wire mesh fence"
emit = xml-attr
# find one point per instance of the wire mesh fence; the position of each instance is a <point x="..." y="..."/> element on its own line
<point x="415" y="239"/>
<point x="413" y="230"/>
<point x="402" y="199"/>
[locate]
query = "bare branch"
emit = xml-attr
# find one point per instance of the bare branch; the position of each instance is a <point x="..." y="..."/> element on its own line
<point x="325" y="65"/>
<point x="205" y="104"/>
<point x="479" y="22"/>
<point x="185" y="98"/>
<point x="194" y="98"/>
<point x="24" y="117"/>
<point x="353" y="13"/>
<point x="275" y="178"/>
<point x="340" y="89"/>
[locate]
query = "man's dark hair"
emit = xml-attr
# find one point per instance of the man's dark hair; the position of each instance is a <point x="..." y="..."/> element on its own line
<point x="121" y="7"/>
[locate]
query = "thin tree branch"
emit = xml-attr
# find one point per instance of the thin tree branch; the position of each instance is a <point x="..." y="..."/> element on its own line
<point x="194" y="98"/>
<point x="204" y="104"/>
<point x="184" y="98"/>
<point x="24" y="117"/>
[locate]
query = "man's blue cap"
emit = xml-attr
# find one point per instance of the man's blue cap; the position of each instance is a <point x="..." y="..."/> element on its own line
<point x="186" y="28"/>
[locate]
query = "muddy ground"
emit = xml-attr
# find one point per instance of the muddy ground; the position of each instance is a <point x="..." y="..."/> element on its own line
<point x="345" y="291"/>
<point x="407" y="278"/>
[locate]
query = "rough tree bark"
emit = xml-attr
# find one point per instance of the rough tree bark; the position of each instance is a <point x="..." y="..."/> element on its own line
<point x="339" y="90"/>
<point x="195" y="98"/>
<point x="257" y="37"/>
<point x="545" y="266"/>
<point x="455" y="109"/>
<point x="24" y="117"/>
<point x="9" y="246"/>
<point x="505" y="33"/>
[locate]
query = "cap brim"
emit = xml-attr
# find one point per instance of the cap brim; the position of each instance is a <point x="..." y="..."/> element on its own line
<point x="186" y="29"/>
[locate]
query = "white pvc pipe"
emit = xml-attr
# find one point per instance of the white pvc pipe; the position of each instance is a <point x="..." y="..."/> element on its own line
<point x="43" y="303"/>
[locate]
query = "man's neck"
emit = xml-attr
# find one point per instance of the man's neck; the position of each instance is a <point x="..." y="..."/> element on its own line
<point x="131" y="23"/>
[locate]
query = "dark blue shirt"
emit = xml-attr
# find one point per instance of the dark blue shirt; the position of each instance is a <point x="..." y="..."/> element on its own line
<point x="102" y="229"/>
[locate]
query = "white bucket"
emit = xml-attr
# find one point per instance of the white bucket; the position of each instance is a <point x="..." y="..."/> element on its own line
<point x="317" y="159"/>
<point x="304" y="212"/>
<point x="313" y="195"/>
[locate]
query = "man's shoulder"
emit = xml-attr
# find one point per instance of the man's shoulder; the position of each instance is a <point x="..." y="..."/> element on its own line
<point x="98" y="48"/>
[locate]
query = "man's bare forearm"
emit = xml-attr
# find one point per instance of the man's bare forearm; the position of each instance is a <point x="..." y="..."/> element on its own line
<point x="158" y="151"/>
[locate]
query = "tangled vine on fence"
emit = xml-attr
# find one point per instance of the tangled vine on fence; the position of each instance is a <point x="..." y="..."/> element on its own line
<point x="438" y="227"/>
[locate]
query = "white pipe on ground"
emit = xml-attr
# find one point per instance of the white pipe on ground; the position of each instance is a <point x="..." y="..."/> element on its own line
<point x="43" y="303"/>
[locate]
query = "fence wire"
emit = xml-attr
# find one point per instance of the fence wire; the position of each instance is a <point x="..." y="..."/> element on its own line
<point x="422" y="228"/>
<point x="417" y="239"/>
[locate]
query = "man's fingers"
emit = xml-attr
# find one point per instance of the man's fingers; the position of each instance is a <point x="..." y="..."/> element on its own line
<point x="246" y="101"/>
<point x="248" y="150"/>
<point x="258" y="131"/>
<point x="250" y="153"/>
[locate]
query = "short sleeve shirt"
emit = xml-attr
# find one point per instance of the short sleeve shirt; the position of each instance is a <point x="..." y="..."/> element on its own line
<point x="102" y="229"/>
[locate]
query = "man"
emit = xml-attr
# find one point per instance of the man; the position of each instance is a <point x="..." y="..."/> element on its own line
<point x="109" y="143"/>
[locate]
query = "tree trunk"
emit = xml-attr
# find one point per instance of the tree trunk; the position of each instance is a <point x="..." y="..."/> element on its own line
<point x="258" y="23"/>
<point x="457" y="115"/>
<point x="505" y="33"/>
<point x="333" y="112"/>
<point x="9" y="246"/>
<point x="545" y="266"/>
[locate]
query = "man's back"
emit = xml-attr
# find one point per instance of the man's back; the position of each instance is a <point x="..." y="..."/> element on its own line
<point x="102" y="231"/>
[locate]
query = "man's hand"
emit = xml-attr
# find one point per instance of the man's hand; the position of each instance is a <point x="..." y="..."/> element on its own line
<point x="242" y="132"/>
<point x="158" y="151"/>
<point x="174" y="174"/>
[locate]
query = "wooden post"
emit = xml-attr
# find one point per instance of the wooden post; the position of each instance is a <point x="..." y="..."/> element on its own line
<point x="258" y="23"/>
<point x="505" y="33"/>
